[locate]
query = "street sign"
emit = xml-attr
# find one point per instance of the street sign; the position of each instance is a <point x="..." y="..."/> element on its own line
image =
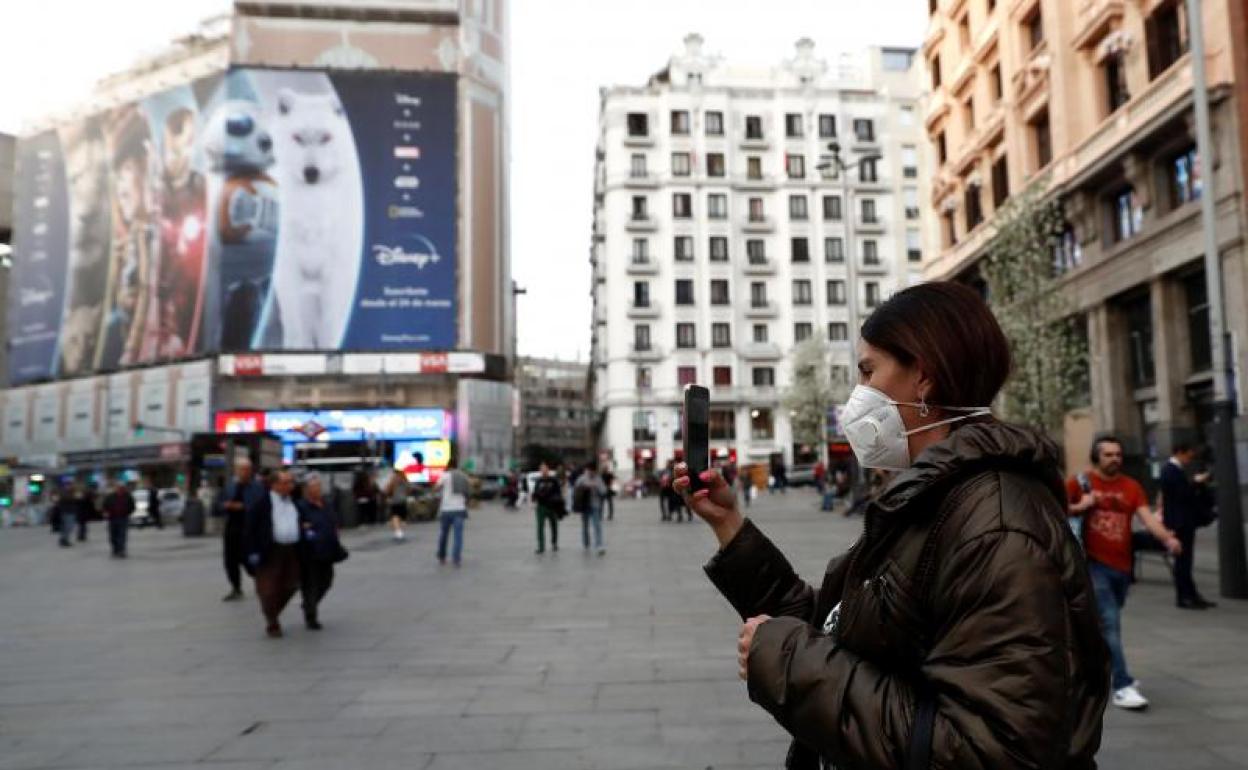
<point x="311" y="429"/>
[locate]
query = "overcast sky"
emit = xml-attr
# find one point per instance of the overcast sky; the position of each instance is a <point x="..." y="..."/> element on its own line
<point x="562" y="52"/>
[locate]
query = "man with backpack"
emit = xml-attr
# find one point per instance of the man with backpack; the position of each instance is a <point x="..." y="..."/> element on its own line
<point x="1103" y="501"/>
<point x="548" y="496"/>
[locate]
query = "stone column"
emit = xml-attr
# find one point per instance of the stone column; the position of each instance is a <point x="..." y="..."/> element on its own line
<point x="1173" y="361"/>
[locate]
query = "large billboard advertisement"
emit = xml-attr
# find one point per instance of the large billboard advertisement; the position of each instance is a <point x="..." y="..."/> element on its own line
<point x="256" y="209"/>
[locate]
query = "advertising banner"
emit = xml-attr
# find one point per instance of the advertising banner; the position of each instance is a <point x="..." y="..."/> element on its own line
<point x="255" y="210"/>
<point x="340" y="425"/>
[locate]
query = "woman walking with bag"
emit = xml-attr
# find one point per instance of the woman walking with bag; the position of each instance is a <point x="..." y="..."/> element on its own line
<point x="961" y="630"/>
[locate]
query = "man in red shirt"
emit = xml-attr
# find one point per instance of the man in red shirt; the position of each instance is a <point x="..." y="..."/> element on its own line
<point x="1107" y="500"/>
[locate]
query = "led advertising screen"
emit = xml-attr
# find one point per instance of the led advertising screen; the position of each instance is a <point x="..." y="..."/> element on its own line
<point x="340" y="424"/>
<point x="254" y="210"/>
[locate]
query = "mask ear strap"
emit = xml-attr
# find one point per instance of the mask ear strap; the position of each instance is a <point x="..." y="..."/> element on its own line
<point x="975" y="413"/>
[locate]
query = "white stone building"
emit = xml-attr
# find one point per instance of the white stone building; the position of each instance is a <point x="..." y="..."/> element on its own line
<point x="719" y="245"/>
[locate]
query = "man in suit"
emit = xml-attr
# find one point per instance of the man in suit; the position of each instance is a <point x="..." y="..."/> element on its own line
<point x="271" y="542"/>
<point x="241" y="495"/>
<point x="1185" y="503"/>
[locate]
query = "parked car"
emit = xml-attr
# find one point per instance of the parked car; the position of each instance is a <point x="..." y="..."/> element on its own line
<point x="172" y="503"/>
<point x="802" y="476"/>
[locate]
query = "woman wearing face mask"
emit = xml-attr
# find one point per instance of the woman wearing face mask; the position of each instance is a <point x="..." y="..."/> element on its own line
<point x="961" y="629"/>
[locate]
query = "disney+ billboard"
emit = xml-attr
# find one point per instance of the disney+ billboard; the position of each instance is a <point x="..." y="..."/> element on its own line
<point x="253" y="210"/>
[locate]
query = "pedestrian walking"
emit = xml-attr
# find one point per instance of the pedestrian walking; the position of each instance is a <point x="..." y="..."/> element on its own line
<point x="85" y="510"/>
<point x="153" y="506"/>
<point x="118" y="505"/>
<point x="549" y="509"/>
<point x="241" y="495"/>
<point x="820" y="476"/>
<point x="747" y="485"/>
<point x="365" y="489"/>
<point x="454" y="488"/>
<point x="779" y="475"/>
<point x="64" y="515"/>
<point x="961" y="631"/>
<point x="271" y="541"/>
<point x="1107" y="500"/>
<point x="397" y="491"/>
<point x="1185" y="507"/>
<point x="665" y="487"/>
<point x="319" y="549"/>
<point x="587" y="497"/>
<point x="608" y="501"/>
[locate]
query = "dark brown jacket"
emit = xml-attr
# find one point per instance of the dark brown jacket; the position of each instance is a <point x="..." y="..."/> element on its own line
<point x="1000" y="628"/>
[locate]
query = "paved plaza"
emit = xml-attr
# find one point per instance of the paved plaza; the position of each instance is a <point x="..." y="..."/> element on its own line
<point x="514" y="661"/>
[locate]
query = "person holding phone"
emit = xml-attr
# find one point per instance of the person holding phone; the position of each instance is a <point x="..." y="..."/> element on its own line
<point x="961" y="630"/>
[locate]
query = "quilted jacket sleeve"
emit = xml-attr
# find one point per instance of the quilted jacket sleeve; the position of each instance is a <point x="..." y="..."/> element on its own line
<point x="756" y="579"/>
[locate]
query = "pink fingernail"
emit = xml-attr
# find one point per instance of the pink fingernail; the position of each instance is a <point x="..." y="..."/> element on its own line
<point x="706" y="475"/>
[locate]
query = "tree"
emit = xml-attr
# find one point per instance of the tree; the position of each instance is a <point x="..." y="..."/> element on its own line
<point x="1050" y="353"/>
<point x="811" y="393"/>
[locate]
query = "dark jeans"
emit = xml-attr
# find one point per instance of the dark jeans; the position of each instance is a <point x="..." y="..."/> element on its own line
<point x="545" y="515"/>
<point x="609" y="502"/>
<point x="315" y="579"/>
<point x="232" y="554"/>
<point x="1111" y="587"/>
<point x="82" y="529"/>
<point x="1184" y="583"/>
<point x="68" y="522"/>
<point x="118" y="529"/>
<point x="451" y="522"/>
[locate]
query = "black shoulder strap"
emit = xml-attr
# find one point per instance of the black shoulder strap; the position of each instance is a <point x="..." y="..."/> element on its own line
<point x="919" y="757"/>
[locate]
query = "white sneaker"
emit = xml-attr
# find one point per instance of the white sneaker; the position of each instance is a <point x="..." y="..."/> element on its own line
<point x="1130" y="698"/>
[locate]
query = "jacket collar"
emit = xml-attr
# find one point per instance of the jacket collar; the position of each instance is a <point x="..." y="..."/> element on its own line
<point x="972" y="448"/>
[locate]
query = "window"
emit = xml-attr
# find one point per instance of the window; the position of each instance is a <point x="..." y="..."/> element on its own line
<point x="950" y="228"/>
<point x="680" y="164"/>
<point x="1183" y="174"/>
<point x="756" y="210"/>
<point x="1127" y="216"/>
<point x="998" y="85"/>
<point x="868" y="170"/>
<point x="838" y="331"/>
<point x="722" y="423"/>
<point x="935" y="73"/>
<point x="754" y="167"/>
<point x="1115" y="72"/>
<point x="715" y="164"/>
<point x="641" y="251"/>
<point x="682" y="246"/>
<point x="1197" y="295"/>
<point x="764" y="376"/>
<point x="721" y="335"/>
<point x="964" y="31"/>
<point x="971" y="203"/>
<point x="802" y="331"/>
<point x="793" y="125"/>
<point x="685" y="336"/>
<point x="641" y="294"/>
<point x="753" y="127"/>
<point x="680" y="122"/>
<point x="800" y="249"/>
<point x="1068" y="253"/>
<point x="870" y="252"/>
<point x="795" y="165"/>
<point x="638" y="124"/>
<point x="637" y="167"/>
<point x="1000" y="182"/>
<point x="910" y="162"/>
<point x="639" y="207"/>
<point x="864" y="129"/>
<point x="801" y="292"/>
<point x="833" y="250"/>
<point x="831" y="208"/>
<point x="714" y="123"/>
<point x="797" y="208"/>
<point x="827" y="126"/>
<point x="1166" y="33"/>
<point x="873" y="293"/>
<point x="1138" y="314"/>
<point x="836" y="292"/>
<point x="1040" y="139"/>
<point x="717" y="206"/>
<point x="896" y="59"/>
<point x="719" y="291"/>
<point x="914" y="246"/>
<point x="905" y="118"/>
<point x="839" y="374"/>
<point x="719" y="248"/>
<point x="760" y="333"/>
<point x="721" y="376"/>
<point x="641" y="336"/>
<point x="1033" y="29"/>
<point x="968" y="114"/>
<point x="643" y="427"/>
<point x="762" y="427"/>
<point x="910" y="198"/>
<point x="942" y="150"/>
<point x="868" y="211"/>
<point x="756" y="251"/>
<point x="758" y="294"/>
<point x="682" y="205"/>
<point x="684" y="291"/>
<point x="686" y="375"/>
<point x="644" y="378"/>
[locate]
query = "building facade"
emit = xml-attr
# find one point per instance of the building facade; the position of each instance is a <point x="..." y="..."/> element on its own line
<point x="555" y="412"/>
<point x="426" y="348"/>
<point x="1093" y="98"/>
<point x="719" y="244"/>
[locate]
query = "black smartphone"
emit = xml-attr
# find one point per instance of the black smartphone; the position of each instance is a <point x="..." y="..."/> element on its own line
<point x="696" y="433"/>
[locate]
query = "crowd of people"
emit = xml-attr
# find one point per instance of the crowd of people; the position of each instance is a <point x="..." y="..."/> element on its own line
<point x="74" y="506"/>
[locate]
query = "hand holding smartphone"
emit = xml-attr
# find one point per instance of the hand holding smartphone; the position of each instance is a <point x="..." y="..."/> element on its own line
<point x="696" y="432"/>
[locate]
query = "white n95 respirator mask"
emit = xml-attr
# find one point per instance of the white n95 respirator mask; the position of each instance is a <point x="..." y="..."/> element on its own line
<point x="878" y="436"/>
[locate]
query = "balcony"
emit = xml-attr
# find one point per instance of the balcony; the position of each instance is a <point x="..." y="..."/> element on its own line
<point x="747" y="182"/>
<point x="762" y="309"/>
<point x="755" y="224"/>
<point x="647" y="181"/>
<point x="642" y="223"/>
<point x="639" y="140"/>
<point x="761" y="351"/>
<point x="1094" y="19"/>
<point x="642" y="267"/>
<point x="873" y="267"/>
<point x="869" y="226"/>
<point x="645" y="353"/>
<point x="646" y="310"/>
<point x="755" y="142"/>
<point x="760" y="267"/>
